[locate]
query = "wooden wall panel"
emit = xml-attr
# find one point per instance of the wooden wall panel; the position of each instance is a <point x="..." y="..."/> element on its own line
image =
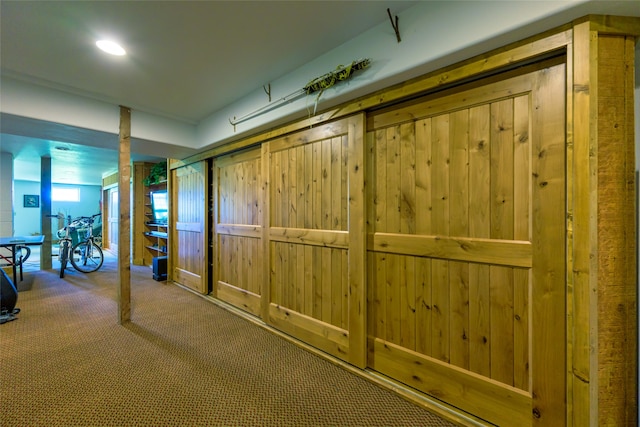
<point x="188" y="235"/>
<point x="315" y="264"/>
<point x="237" y="220"/>
<point x="444" y="186"/>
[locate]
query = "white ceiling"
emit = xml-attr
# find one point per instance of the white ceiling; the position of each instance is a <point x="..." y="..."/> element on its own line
<point x="186" y="59"/>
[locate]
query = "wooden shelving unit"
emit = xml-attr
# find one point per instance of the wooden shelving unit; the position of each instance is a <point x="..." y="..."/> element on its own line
<point x="156" y="238"/>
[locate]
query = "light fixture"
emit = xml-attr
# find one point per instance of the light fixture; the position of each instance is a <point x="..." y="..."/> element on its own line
<point x="110" y="47"/>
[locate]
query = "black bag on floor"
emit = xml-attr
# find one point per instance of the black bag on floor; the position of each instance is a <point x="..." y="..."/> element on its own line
<point x="8" y="294"/>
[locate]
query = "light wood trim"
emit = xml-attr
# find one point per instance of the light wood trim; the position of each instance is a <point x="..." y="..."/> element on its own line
<point x="305" y="136"/>
<point x="214" y="218"/>
<point x="239" y="230"/>
<point x="327" y="238"/>
<point x="499" y="403"/>
<point x="124" y="225"/>
<point x="548" y="294"/>
<point x="324" y="336"/>
<point x="459" y="97"/>
<point x="511" y="253"/>
<point x="206" y="283"/>
<point x="189" y="226"/>
<point x="357" y="256"/>
<point x="172" y="190"/>
<point x="570" y="162"/>
<point x="266" y="230"/>
<point x="249" y="301"/>
<point x="188" y="279"/>
<point x="239" y="157"/>
<point x="582" y="339"/>
<point x="609" y="24"/>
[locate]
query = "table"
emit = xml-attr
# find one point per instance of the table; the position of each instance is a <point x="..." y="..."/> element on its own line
<point x="11" y="243"/>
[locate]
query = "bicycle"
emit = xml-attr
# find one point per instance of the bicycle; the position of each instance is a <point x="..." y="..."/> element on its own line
<point x="64" y="245"/>
<point x="86" y="255"/>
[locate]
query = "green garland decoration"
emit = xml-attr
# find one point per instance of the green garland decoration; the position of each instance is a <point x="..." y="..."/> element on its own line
<point x="339" y="74"/>
<point x="317" y="85"/>
<point x="324" y="82"/>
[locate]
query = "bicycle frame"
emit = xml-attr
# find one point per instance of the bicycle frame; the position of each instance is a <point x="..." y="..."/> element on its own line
<point x="90" y="254"/>
<point x="65" y="247"/>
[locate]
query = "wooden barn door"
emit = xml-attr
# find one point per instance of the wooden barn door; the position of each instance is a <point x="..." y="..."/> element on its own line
<point x="237" y="218"/>
<point x="314" y="237"/>
<point x="467" y="251"/>
<point x="188" y="238"/>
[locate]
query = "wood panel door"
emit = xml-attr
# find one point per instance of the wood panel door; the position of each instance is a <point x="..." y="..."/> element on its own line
<point x="314" y="237"/>
<point x="237" y="215"/>
<point x="112" y="219"/>
<point x="188" y="201"/>
<point x="467" y="250"/>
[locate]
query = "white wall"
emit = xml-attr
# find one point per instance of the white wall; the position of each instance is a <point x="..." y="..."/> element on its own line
<point x="6" y="194"/>
<point x="434" y="34"/>
<point x="27" y="220"/>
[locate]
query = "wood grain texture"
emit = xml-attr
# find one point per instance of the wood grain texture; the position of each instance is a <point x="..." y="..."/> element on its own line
<point x="453" y="241"/>
<point x="124" y="223"/>
<point x="617" y="299"/>
<point x="238" y="229"/>
<point x="188" y="238"/>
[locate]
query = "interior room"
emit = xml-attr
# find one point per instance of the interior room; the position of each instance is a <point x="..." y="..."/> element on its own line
<point x="321" y="212"/>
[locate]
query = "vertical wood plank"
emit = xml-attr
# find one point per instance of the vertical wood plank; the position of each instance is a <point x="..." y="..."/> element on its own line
<point x="423" y="196"/>
<point x="265" y="301"/>
<point x="459" y="226"/>
<point x="393" y="198"/>
<point x="407" y="226"/>
<point x="440" y="319"/>
<point x="357" y="253"/>
<point x="124" y="224"/>
<point x="502" y="220"/>
<point x="335" y="224"/>
<point x="522" y="231"/>
<point x="381" y="226"/>
<point x="423" y="202"/>
<point x="479" y="226"/>
<point x="325" y="208"/>
<point x="548" y="237"/>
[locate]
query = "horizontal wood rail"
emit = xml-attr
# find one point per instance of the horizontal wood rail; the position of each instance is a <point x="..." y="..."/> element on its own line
<point x="474" y="393"/>
<point x="324" y="336"/>
<point x="514" y="253"/>
<point x="327" y="238"/>
<point x="240" y="230"/>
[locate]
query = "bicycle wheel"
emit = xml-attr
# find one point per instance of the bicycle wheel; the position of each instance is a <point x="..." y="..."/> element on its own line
<point x="87" y="257"/>
<point x="22" y="253"/>
<point x="63" y="256"/>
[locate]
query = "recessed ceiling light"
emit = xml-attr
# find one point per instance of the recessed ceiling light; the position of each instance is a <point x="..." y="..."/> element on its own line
<point x="110" y="47"/>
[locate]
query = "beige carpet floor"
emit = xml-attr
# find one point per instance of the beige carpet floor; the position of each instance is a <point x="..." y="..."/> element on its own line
<point x="182" y="361"/>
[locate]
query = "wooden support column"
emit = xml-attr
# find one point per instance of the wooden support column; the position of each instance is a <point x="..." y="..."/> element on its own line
<point x="45" y="211"/>
<point x="602" y="386"/>
<point x="124" y="223"/>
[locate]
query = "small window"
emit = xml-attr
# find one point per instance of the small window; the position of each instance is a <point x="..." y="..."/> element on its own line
<point x="59" y="194"/>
